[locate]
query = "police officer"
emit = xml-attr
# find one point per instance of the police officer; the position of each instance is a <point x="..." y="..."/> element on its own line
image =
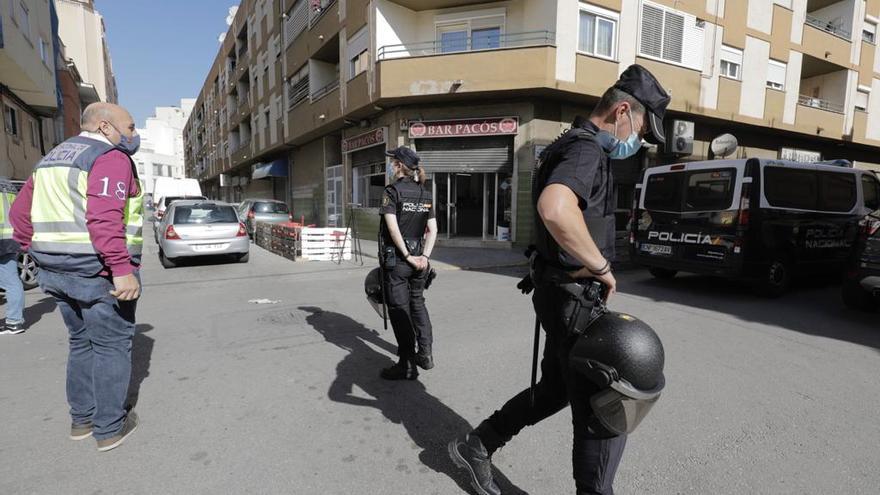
<point x="10" y="281"/>
<point x="574" y="245"/>
<point x="407" y="210"/>
<point x="81" y="216"/>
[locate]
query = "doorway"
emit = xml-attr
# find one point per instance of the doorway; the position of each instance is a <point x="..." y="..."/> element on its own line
<point x="472" y="205"/>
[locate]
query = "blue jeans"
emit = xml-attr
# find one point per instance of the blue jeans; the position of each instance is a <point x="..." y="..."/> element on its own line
<point x="101" y="329"/>
<point x="11" y="283"/>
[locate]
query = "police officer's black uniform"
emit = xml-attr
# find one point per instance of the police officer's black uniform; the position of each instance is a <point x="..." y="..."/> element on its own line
<point x="404" y="286"/>
<point x="579" y="160"/>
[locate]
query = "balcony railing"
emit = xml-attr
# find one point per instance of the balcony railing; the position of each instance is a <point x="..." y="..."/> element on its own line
<point x="830" y="27"/>
<point x="320" y="93"/>
<point x="809" y="101"/>
<point x="469" y="44"/>
<point x="317" y="9"/>
<point x="297" y="92"/>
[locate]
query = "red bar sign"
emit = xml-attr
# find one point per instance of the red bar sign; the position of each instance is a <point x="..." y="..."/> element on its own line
<point x="492" y="126"/>
<point x="365" y="140"/>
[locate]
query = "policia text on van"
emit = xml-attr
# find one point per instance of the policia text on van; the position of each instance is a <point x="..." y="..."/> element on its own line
<point x="755" y="219"/>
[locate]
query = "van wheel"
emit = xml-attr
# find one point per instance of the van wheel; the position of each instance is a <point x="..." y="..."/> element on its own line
<point x="166" y="261"/>
<point x="775" y="279"/>
<point x="855" y="297"/>
<point x="662" y="273"/>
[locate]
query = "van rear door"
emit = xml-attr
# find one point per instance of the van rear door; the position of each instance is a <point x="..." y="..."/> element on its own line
<point x="687" y="217"/>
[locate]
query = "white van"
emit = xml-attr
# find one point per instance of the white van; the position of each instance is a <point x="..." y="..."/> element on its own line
<point x="170" y="187"/>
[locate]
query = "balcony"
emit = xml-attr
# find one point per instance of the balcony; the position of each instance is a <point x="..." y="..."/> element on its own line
<point x="828" y="106"/>
<point x="469" y="44"/>
<point x="418" y="5"/>
<point x="829" y="27"/>
<point x="324" y="91"/>
<point x="323" y="7"/>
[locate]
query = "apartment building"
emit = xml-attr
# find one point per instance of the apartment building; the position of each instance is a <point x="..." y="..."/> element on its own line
<point x="161" y="152"/>
<point x="304" y="96"/>
<point x="83" y="33"/>
<point x="28" y="97"/>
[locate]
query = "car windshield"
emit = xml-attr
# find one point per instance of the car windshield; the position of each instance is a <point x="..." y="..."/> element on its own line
<point x="270" y="207"/>
<point x="204" y="214"/>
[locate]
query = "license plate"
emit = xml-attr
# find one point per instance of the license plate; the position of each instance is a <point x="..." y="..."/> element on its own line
<point x="208" y="247"/>
<point x="657" y="249"/>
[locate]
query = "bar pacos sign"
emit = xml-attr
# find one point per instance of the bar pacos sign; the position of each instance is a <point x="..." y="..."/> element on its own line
<point x="493" y="126"/>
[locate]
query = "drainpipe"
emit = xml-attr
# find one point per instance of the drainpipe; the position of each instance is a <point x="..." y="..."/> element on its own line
<point x="714" y="41"/>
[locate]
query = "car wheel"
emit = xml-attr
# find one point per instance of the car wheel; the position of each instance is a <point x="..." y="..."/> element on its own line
<point x="243" y="258"/>
<point x="662" y="273"/>
<point x="855" y="297"/>
<point x="775" y="278"/>
<point x="27" y="271"/>
<point x="166" y="261"/>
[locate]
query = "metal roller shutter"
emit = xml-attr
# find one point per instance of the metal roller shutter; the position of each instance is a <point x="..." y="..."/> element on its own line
<point x="467" y="154"/>
<point x="368" y="156"/>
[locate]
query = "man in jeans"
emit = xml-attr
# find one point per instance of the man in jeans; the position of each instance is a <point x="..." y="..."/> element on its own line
<point x="81" y="217"/>
<point x="9" y="279"/>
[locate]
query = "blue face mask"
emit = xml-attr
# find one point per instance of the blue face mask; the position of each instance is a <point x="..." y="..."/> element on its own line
<point x="620" y="150"/>
<point x="389" y="171"/>
<point x="128" y="145"/>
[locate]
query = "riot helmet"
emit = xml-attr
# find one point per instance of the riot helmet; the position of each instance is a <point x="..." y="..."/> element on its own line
<point x="624" y="357"/>
<point x="373" y="288"/>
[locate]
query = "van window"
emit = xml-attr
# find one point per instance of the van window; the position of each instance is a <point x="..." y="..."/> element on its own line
<point x="871" y="189"/>
<point x="697" y="190"/>
<point x="790" y="188"/>
<point x="837" y="192"/>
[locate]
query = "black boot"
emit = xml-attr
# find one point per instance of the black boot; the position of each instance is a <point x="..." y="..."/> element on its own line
<point x="405" y="369"/>
<point x="425" y="359"/>
<point x="469" y="453"/>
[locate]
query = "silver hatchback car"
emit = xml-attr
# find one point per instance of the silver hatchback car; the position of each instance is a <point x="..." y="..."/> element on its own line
<point x="201" y="228"/>
<point x="252" y="211"/>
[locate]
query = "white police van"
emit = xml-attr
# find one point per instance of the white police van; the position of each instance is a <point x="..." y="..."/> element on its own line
<point x="755" y="219"/>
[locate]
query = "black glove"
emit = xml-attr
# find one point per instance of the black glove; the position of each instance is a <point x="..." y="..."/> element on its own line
<point x="526" y="285"/>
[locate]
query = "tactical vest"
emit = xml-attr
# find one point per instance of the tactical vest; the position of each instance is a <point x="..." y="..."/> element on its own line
<point x="414" y="203"/>
<point x="7" y="196"/>
<point x="58" y="209"/>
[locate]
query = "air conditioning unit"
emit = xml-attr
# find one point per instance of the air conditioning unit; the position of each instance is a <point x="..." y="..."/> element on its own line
<point x="680" y="138"/>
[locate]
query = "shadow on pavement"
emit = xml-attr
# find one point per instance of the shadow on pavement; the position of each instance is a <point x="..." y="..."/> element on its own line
<point x="429" y="422"/>
<point x="812" y="307"/>
<point x="36" y="312"/>
<point x="141" y="354"/>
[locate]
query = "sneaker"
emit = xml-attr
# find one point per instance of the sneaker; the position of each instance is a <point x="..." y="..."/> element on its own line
<point x="13" y="328"/>
<point x="403" y="370"/>
<point x="80" y="432"/>
<point x="131" y="424"/>
<point x="424" y="359"/>
<point x="470" y="454"/>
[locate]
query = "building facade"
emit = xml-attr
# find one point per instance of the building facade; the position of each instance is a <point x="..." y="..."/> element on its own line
<point x="161" y="153"/>
<point x="480" y="88"/>
<point x="82" y="31"/>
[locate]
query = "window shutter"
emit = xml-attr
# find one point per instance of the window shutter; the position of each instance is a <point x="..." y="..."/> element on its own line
<point x="297" y="20"/>
<point x="869" y="27"/>
<point x="673" y="37"/>
<point x="861" y="100"/>
<point x="652" y="31"/>
<point x="731" y="55"/>
<point x="776" y="73"/>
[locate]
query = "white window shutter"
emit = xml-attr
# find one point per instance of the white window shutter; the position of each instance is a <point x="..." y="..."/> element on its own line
<point x="652" y="31"/>
<point x="861" y="100"/>
<point x="694" y="36"/>
<point x="673" y="37"/>
<point x="776" y="72"/>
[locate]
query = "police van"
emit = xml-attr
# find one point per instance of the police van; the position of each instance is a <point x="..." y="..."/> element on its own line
<point x="755" y="219"/>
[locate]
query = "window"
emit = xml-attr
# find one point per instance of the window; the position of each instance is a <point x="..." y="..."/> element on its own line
<point x="871" y="188"/>
<point x="837" y="191"/>
<point x="10" y="118"/>
<point x="731" y="62"/>
<point x="862" y="100"/>
<point x="776" y="75"/>
<point x="298" y="87"/>
<point x="453" y="39"/>
<point x="486" y="38"/>
<point x="869" y="32"/>
<point x="809" y="190"/>
<point x="671" y="36"/>
<point x="35" y="134"/>
<point x="296" y="22"/>
<point x="204" y="214"/>
<point x="597" y="32"/>
<point x="24" y="19"/>
<point x="369" y="184"/>
<point x="474" y="30"/>
<point x="44" y="51"/>
<point x="358" y="64"/>
<point x="270" y="207"/>
<point x="699" y="190"/>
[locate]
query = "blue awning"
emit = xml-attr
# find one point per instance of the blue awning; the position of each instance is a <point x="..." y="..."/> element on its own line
<point x="277" y="168"/>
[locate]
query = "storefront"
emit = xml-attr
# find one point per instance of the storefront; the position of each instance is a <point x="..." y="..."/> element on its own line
<point x="469" y="163"/>
<point x="367" y="154"/>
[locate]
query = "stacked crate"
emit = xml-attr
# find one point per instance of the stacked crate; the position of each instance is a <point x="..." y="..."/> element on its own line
<point x="282" y="239"/>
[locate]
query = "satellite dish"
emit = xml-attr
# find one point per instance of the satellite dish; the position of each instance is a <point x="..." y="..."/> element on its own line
<point x="724" y="145"/>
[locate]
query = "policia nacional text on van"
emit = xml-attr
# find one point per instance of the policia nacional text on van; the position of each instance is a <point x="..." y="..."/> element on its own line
<point x="575" y="243"/>
<point x="407" y="211"/>
<point x="81" y="217"/>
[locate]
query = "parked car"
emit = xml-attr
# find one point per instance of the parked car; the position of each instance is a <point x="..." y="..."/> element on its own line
<point x="263" y="210"/>
<point x="756" y="219"/>
<point x="201" y="228"/>
<point x="861" y="284"/>
<point x="27" y="267"/>
<point x="162" y="206"/>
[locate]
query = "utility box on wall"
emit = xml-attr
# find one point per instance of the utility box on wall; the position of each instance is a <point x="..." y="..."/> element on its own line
<point x="680" y="138"/>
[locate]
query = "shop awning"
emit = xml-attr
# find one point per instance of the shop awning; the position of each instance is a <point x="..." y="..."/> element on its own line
<point x="278" y="168"/>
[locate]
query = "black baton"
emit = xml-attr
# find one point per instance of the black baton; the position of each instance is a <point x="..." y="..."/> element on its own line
<point x="535" y="362"/>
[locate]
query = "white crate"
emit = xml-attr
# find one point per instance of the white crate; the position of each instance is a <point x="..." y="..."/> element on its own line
<point x="325" y="244"/>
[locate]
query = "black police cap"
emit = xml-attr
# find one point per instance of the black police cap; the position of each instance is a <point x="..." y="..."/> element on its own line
<point x="406" y="156"/>
<point x="639" y="83"/>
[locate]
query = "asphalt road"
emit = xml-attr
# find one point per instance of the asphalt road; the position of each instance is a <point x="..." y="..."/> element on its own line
<point x="763" y="396"/>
